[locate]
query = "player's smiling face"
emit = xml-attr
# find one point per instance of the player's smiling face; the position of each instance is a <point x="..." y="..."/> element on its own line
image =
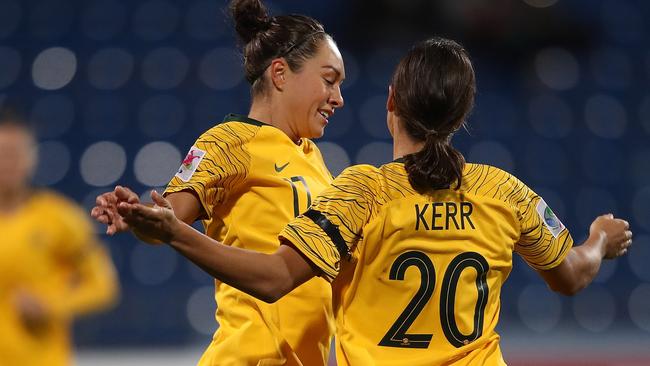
<point x="314" y="92"/>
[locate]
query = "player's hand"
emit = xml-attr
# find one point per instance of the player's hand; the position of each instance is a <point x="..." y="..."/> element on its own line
<point x="33" y="312"/>
<point x="616" y="233"/>
<point x="105" y="210"/>
<point x="153" y="225"/>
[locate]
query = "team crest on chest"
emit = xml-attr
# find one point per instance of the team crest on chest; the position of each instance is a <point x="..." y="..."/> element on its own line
<point x="190" y="164"/>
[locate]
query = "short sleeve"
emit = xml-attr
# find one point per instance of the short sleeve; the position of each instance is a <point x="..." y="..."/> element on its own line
<point x="215" y="165"/>
<point x="544" y="240"/>
<point x="328" y="232"/>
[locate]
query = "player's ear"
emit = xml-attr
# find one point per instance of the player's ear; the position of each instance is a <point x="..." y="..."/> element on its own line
<point x="390" y="102"/>
<point x="279" y="69"/>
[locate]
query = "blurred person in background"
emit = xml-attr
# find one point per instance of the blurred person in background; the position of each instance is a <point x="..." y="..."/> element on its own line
<point x="247" y="177"/>
<point x="52" y="267"/>
<point x="416" y="250"/>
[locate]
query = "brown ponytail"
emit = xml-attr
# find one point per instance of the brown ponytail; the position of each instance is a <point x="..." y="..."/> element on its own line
<point x="433" y="88"/>
<point x="436" y="166"/>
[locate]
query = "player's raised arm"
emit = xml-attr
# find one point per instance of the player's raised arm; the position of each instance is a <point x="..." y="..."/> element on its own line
<point x="265" y="276"/>
<point x="609" y="238"/>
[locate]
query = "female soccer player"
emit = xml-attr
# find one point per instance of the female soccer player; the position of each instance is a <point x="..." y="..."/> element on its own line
<point x="249" y="176"/>
<point x="416" y="250"/>
<point x="52" y="267"/>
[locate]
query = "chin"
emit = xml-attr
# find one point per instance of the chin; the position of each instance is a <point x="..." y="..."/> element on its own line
<point x="317" y="133"/>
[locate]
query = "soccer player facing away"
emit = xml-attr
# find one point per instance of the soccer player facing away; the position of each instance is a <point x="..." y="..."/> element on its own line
<point x="416" y="250"/>
<point x="52" y="267"/>
<point x="247" y="177"/>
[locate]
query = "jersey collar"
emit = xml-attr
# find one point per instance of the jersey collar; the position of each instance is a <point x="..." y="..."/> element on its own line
<point x="232" y="117"/>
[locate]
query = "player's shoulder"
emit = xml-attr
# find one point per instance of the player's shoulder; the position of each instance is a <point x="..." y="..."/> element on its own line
<point x="361" y="171"/>
<point x="481" y="172"/>
<point x="489" y="180"/>
<point x="393" y="171"/>
<point x="235" y="129"/>
<point x="362" y="178"/>
<point x="396" y="165"/>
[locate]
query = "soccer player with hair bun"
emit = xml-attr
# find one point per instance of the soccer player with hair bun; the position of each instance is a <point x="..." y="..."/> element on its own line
<point x="416" y="250"/>
<point x="248" y="176"/>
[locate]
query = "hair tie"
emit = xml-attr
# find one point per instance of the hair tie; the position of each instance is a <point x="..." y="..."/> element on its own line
<point x="431" y="134"/>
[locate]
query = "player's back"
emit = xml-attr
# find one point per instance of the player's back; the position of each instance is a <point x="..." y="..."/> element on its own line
<point x="417" y="277"/>
<point x="427" y="277"/>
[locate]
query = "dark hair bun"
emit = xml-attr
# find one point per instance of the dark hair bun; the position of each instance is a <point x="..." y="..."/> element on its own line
<point x="251" y="18"/>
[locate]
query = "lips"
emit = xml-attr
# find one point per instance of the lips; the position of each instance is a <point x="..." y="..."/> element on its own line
<point x="326" y="114"/>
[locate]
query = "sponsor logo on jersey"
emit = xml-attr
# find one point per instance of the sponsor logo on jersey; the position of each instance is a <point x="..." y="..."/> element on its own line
<point x="551" y="221"/>
<point x="280" y="168"/>
<point x="190" y="164"/>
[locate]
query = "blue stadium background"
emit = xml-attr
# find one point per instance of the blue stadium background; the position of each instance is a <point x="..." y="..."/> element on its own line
<point x="120" y="89"/>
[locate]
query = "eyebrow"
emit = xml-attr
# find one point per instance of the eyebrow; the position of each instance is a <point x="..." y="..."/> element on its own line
<point x="337" y="71"/>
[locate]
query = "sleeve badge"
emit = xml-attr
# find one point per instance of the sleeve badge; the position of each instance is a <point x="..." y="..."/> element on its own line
<point x="551" y="221"/>
<point x="190" y="164"/>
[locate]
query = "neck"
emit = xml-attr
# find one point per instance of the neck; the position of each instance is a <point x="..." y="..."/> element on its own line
<point x="399" y="151"/>
<point x="403" y="143"/>
<point x="262" y="110"/>
<point x="12" y="198"/>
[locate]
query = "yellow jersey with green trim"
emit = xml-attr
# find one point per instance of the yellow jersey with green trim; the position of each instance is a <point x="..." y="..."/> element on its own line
<point x="417" y="278"/>
<point x="48" y="250"/>
<point x="251" y="180"/>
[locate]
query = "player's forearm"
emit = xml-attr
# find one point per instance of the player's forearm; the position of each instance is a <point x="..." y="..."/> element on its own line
<point x="261" y="275"/>
<point x="579" y="267"/>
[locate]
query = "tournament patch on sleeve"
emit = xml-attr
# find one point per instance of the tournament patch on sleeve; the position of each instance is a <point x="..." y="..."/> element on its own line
<point x="551" y="221"/>
<point x="190" y="164"/>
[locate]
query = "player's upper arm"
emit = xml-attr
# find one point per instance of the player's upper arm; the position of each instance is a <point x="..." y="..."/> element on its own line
<point x="328" y="232"/>
<point x="215" y="165"/>
<point x="544" y="241"/>
<point x="187" y="206"/>
<point x="299" y="268"/>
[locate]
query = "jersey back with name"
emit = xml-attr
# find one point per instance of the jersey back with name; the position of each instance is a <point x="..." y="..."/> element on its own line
<point x="417" y="278"/>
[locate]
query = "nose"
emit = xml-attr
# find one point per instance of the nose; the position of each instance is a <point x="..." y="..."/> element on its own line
<point x="336" y="98"/>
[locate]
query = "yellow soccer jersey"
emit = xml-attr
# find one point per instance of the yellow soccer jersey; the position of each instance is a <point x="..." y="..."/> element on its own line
<point x="48" y="249"/>
<point x="252" y="180"/>
<point x="417" y="278"/>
